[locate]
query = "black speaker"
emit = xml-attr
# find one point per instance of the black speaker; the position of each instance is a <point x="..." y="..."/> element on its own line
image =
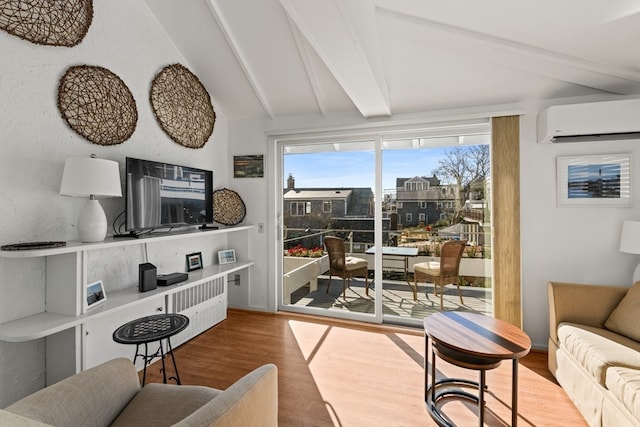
<point x="147" y="277"/>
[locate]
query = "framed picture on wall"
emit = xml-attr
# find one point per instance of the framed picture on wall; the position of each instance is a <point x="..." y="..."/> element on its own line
<point x="251" y="166"/>
<point x="594" y="180"/>
<point x="227" y="256"/>
<point x="95" y="294"/>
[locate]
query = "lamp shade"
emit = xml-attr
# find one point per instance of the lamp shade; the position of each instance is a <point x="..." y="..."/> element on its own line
<point x="89" y="176"/>
<point x="630" y="238"/>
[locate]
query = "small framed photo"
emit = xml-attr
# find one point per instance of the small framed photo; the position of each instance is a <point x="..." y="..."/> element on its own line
<point x="594" y="180"/>
<point x="95" y="294"/>
<point x="194" y="261"/>
<point x="227" y="256"/>
<point x="251" y="166"/>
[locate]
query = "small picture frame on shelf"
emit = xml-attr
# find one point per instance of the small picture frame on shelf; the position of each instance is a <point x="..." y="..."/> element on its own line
<point x="95" y="294"/>
<point x="227" y="256"/>
<point x="194" y="261"/>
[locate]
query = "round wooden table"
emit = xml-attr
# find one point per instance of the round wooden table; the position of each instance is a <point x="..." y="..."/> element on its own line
<point x="471" y="341"/>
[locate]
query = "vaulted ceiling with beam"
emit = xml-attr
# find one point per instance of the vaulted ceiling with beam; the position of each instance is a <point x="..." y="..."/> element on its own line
<point x="376" y="58"/>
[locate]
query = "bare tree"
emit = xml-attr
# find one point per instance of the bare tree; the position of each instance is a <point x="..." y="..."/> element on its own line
<point x="464" y="167"/>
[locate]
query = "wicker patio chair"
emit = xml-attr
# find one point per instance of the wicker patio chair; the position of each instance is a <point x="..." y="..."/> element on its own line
<point x="344" y="266"/>
<point x="443" y="272"/>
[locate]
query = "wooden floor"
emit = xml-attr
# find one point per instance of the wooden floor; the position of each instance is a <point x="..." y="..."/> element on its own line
<point x="341" y="373"/>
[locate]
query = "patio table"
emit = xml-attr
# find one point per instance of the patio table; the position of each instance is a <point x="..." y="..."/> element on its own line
<point x="395" y="254"/>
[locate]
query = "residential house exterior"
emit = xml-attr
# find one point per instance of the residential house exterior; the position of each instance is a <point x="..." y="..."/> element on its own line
<point x="311" y="210"/>
<point x="423" y="200"/>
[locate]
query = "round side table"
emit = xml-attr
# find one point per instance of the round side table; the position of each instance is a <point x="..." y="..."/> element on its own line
<point x="471" y="341"/>
<point x="148" y="329"/>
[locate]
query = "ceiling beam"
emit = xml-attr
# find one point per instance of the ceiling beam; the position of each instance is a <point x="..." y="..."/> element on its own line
<point x="338" y="42"/>
<point x="234" y="45"/>
<point x="513" y="55"/>
<point x="311" y="74"/>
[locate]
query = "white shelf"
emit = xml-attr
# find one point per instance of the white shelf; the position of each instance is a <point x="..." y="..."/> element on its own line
<point x="37" y="326"/>
<point x="110" y="242"/>
<point x="48" y="323"/>
<point x="44" y="324"/>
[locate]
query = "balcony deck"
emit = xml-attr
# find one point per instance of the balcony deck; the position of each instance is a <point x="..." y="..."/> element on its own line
<point x="397" y="298"/>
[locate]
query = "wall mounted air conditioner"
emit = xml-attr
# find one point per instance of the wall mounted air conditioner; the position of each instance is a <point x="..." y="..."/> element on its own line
<point x="594" y="121"/>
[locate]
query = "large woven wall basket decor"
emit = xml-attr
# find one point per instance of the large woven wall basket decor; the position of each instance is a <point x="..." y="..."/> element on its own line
<point x="182" y="106"/>
<point x="228" y="207"/>
<point x="47" y="22"/>
<point x="97" y="105"/>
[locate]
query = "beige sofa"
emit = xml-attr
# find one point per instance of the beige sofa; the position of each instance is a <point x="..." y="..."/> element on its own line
<point x="594" y="350"/>
<point x="110" y="395"/>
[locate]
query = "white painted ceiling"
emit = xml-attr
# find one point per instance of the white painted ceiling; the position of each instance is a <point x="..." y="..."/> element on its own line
<point x="278" y="58"/>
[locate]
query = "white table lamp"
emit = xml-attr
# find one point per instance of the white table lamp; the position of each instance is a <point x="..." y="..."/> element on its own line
<point x="91" y="177"/>
<point x="630" y="242"/>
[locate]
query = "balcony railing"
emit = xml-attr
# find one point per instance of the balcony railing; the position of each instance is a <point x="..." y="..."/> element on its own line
<point x="427" y="242"/>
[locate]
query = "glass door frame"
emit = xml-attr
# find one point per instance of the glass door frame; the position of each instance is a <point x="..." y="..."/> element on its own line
<point x="280" y="144"/>
<point x="379" y="134"/>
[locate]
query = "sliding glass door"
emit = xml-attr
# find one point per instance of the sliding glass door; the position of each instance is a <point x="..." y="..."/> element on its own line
<point x="436" y="190"/>
<point x="392" y="198"/>
<point x="328" y="191"/>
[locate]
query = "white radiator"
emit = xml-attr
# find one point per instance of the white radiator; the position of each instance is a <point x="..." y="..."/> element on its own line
<point x="205" y="304"/>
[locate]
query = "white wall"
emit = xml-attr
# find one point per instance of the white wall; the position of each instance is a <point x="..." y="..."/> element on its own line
<point x="558" y="244"/>
<point x="126" y="39"/>
<point x="577" y="244"/>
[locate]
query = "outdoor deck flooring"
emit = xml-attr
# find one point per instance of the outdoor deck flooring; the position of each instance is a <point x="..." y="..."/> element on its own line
<point x="397" y="298"/>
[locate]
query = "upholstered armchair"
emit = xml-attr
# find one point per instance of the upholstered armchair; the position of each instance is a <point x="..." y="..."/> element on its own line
<point x="110" y="395"/>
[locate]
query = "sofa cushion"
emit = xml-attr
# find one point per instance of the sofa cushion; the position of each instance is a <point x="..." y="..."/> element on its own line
<point x="164" y="405"/>
<point x="624" y="383"/>
<point x="625" y="318"/>
<point x="597" y="349"/>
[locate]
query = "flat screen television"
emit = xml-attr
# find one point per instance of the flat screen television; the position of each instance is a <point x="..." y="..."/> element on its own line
<point x="163" y="195"/>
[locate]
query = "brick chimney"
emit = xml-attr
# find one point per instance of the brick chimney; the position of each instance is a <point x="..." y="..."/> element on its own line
<point x="291" y="182"/>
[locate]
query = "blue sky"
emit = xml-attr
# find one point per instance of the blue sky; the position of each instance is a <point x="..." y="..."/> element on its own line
<point x="356" y="168"/>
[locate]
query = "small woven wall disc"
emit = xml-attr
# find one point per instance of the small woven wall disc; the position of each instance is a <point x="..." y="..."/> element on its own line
<point x="182" y="106"/>
<point x="228" y="207"/>
<point x="47" y="22"/>
<point x="97" y="104"/>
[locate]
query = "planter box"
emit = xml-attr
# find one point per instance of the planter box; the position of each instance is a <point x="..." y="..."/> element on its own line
<point x="298" y="271"/>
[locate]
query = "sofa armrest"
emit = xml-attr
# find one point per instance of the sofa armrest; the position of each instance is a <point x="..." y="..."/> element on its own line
<point x="250" y="401"/>
<point x="14" y="420"/>
<point x="102" y="391"/>
<point x="580" y="303"/>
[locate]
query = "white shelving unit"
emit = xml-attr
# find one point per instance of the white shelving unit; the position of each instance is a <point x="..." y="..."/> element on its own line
<point x="67" y="325"/>
<point x="44" y="324"/>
